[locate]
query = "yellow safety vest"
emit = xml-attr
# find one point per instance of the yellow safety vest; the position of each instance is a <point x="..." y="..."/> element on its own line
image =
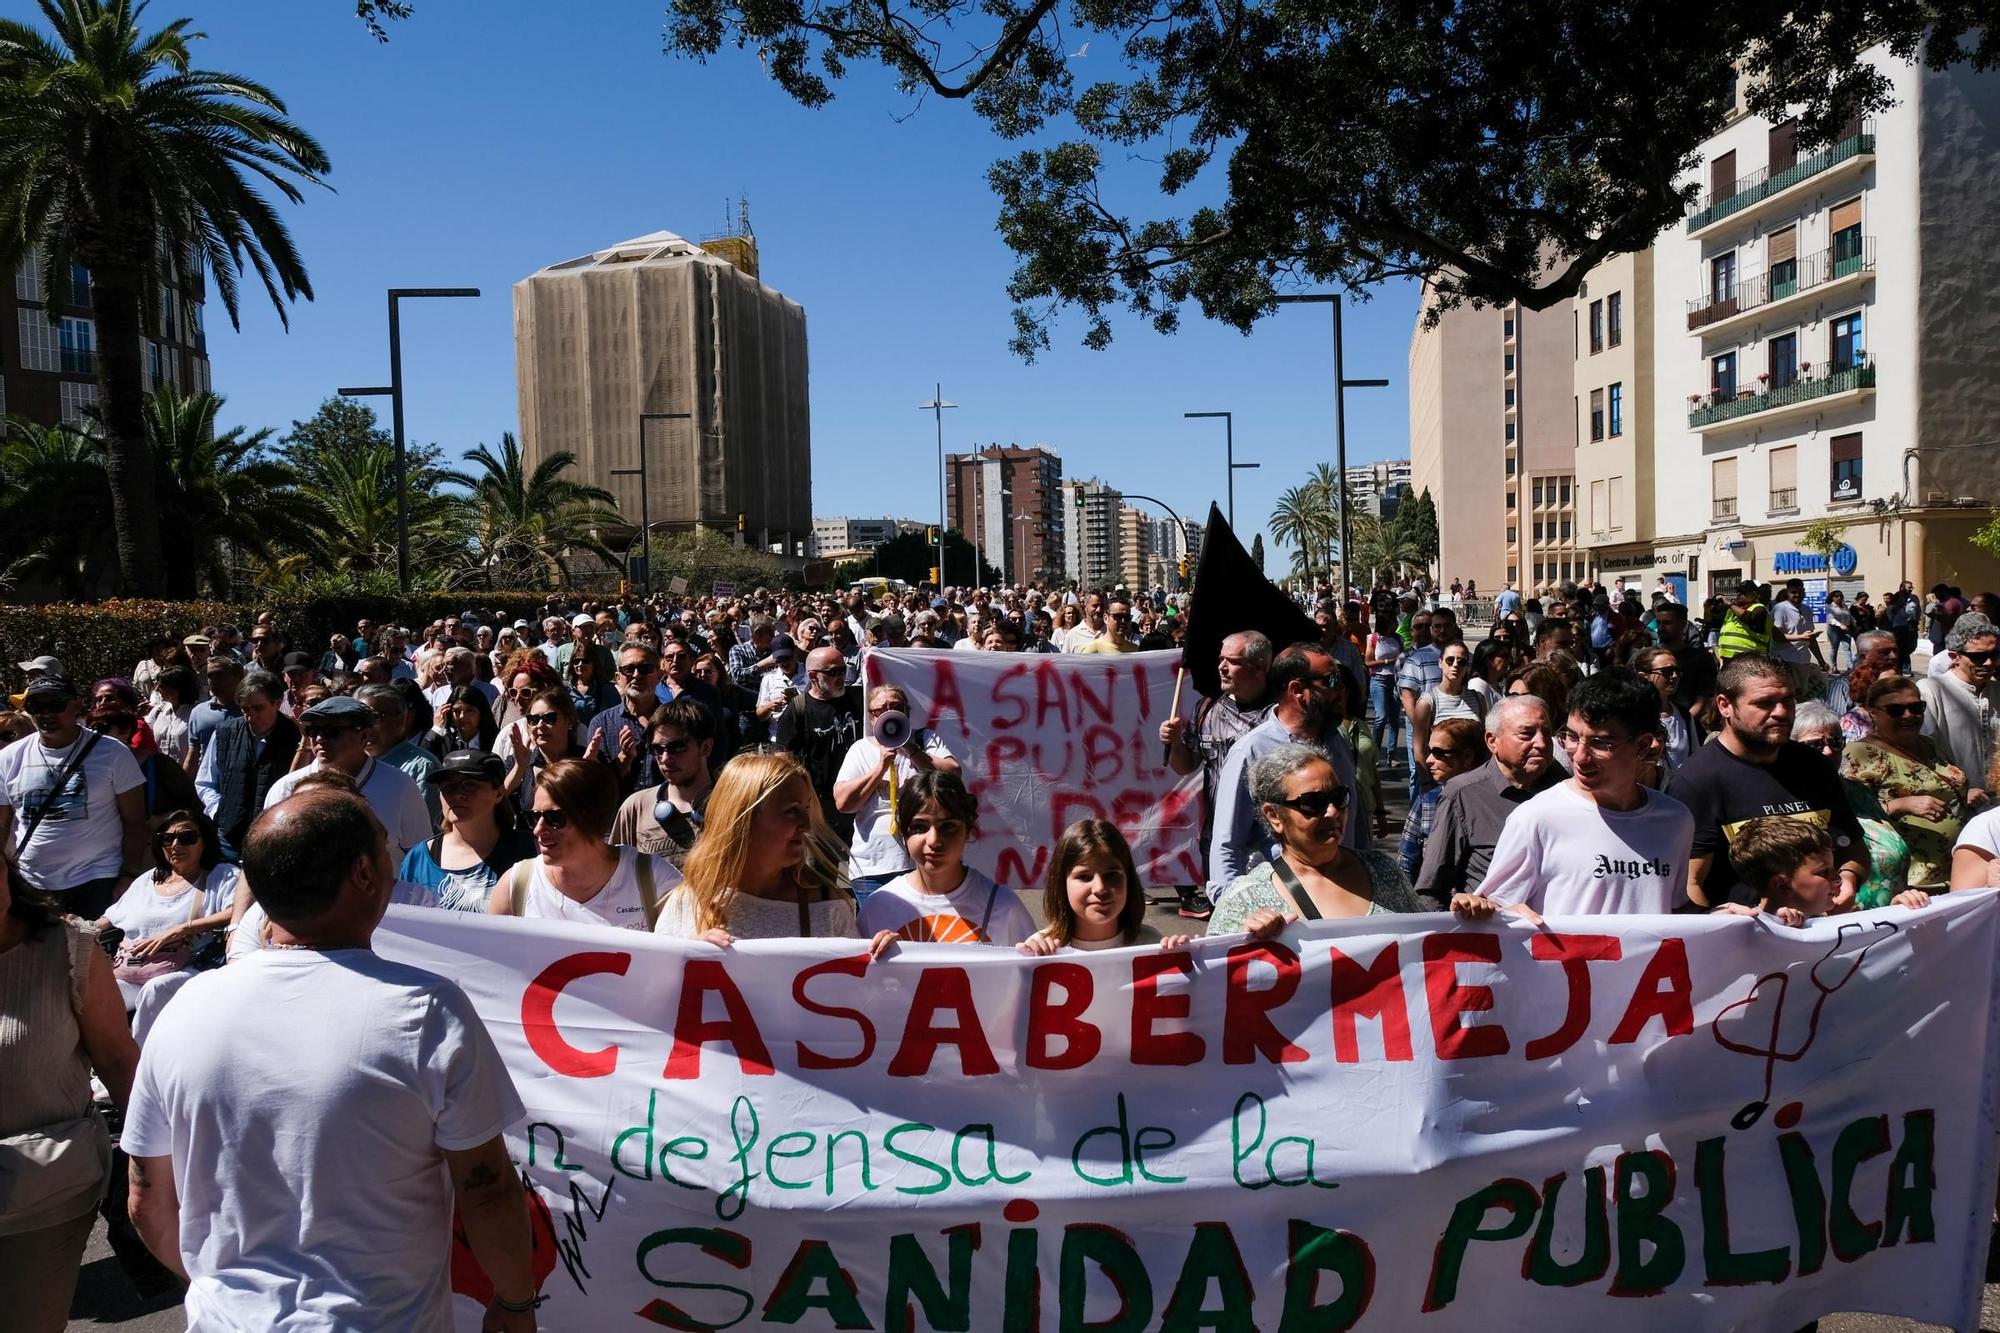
<point x="1737" y="638"/>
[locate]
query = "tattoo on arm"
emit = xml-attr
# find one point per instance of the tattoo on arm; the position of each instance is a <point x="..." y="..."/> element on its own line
<point x="136" y="1172"/>
<point x="480" y="1177"/>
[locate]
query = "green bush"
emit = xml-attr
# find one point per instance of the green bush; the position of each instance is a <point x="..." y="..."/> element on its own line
<point x="99" y="639"/>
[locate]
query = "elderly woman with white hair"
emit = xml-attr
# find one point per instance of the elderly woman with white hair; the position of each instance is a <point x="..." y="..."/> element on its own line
<point x="1818" y="727"/>
<point x="1314" y="875"/>
<point x="1962" y="702"/>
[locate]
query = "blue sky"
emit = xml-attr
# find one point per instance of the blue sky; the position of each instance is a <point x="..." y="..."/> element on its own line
<point x="488" y="139"/>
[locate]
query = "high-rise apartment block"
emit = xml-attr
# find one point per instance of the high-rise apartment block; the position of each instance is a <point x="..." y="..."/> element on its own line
<point x="1379" y="487"/>
<point x="1135" y="548"/>
<point x="48" y="366"/>
<point x="1005" y="500"/>
<point x="1092" y="536"/>
<point x="1818" y="340"/>
<point x="835" y="535"/>
<point x="1490" y="439"/>
<point x="683" y="343"/>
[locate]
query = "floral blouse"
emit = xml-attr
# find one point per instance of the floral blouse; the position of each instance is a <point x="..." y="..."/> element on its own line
<point x="1891" y="774"/>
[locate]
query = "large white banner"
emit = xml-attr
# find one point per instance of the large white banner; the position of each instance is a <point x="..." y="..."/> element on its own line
<point x="1048" y="739"/>
<point x="1664" y="1123"/>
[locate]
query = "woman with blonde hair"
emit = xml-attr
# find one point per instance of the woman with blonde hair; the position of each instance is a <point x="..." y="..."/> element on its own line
<point x="766" y="865"/>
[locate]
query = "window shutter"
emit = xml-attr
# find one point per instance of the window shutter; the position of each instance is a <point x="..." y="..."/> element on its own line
<point x="1846" y="215"/>
<point x="1784" y="246"/>
<point x="1722" y="176"/>
<point x="1784" y="146"/>
<point x="1846" y="448"/>
<point x="1785" y="468"/>
<point x="1725" y="478"/>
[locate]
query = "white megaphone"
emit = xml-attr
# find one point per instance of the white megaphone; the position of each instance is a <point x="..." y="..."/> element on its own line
<point x="891" y="728"/>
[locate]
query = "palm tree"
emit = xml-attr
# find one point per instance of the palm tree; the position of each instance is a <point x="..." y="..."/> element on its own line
<point x="1300" y="520"/>
<point x="55" y="510"/>
<point x="353" y="495"/>
<point x="116" y="155"/>
<point x="220" y="495"/>
<point x="527" y="523"/>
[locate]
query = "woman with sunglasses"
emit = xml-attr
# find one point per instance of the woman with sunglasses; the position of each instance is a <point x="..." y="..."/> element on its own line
<point x="1662" y="670"/>
<point x="576" y="875"/>
<point x="589" y="693"/>
<point x="1452" y="696"/>
<point x="168" y="911"/>
<point x="546" y="732"/>
<point x="1313" y="875"/>
<point x="1817" y="727"/>
<point x="479" y="842"/>
<point x="1921" y="791"/>
<point x="1457" y="746"/>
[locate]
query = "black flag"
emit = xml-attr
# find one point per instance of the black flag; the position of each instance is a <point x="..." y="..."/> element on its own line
<point x="1232" y="595"/>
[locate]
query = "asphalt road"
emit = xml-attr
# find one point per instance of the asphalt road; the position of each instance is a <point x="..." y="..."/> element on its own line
<point x="106" y="1299"/>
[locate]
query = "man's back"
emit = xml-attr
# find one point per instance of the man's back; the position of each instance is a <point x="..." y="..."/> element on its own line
<point x="311" y="1171"/>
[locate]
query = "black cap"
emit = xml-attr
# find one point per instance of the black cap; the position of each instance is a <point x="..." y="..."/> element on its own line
<point x="49" y="683"/>
<point x="469" y="763"/>
<point x="298" y="661"/>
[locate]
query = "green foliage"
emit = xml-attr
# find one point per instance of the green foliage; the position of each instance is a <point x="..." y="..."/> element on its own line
<point x="55" y="507"/>
<point x="1257" y="550"/>
<point x="1987" y="538"/>
<point x="702" y="556"/>
<point x="1495" y="149"/>
<point x="527" y="524"/>
<point x="104" y="638"/>
<point x="908" y="557"/>
<point x="1417" y="519"/>
<point x="1822" y="537"/>
<point x="117" y="154"/>
<point x="345" y="467"/>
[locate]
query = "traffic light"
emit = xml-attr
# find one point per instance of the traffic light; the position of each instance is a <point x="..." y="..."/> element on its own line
<point x="1183" y="567"/>
<point x="931" y="535"/>
<point x="1079" y="497"/>
<point x="741" y="526"/>
<point x="936" y="580"/>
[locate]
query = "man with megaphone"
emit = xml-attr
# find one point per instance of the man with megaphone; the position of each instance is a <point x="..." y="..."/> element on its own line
<point x="890" y="754"/>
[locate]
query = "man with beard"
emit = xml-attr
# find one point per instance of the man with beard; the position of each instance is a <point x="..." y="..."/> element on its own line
<point x="1752" y="769"/>
<point x="337" y="731"/>
<point x="1308" y="703"/>
<point x="1245" y="669"/>
<point x="1475" y="806"/>
<point x="820" y="725"/>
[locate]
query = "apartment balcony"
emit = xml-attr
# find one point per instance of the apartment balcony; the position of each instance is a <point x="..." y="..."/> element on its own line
<point x="1819" y="276"/>
<point x="1725" y="508"/>
<point x="1809" y="392"/>
<point x="1761" y="190"/>
<point x="1785" y="499"/>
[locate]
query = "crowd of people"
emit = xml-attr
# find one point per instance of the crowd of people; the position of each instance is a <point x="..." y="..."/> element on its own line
<point x="206" y="845"/>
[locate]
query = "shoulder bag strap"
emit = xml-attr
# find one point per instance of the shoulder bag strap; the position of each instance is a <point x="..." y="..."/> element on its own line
<point x="63" y="775"/>
<point x="992" y="896"/>
<point x="1296" y="891"/>
<point x="517" y="886"/>
<point x="643" y="868"/>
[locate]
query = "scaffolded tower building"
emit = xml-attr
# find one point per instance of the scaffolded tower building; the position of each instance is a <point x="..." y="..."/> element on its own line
<point x="662" y="325"/>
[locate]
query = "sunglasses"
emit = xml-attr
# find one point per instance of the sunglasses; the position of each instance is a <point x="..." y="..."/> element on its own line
<point x="1315" y="804"/>
<point x="1980" y="659"/>
<point x="670" y="747"/>
<point x="1121" y="615"/>
<point x="527" y="693"/>
<point x="1670" y="672"/>
<point x="543" y="719"/>
<point x="185" y="838"/>
<point x="459" y="786"/>
<point x="1904" y="710"/>
<point x="638" y="669"/>
<point x="1441" y="752"/>
<point x="553" y="818"/>
<point x="45" y="708"/>
<point x="1453" y="661"/>
<point x="326" y="733"/>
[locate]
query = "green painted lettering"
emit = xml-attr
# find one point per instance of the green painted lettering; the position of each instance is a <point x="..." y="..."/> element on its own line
<point x="1514" y="1197"/>
<point x="729" y="1247"/>
<point x="814" y="1280"/>
<point x="1865" y="1138"/>
<point x="1212" y="1258"/>
<point x="1912" y="1181"/>
<point x="1541" y="1266"/>
<point x="1316" y="1250"/>
<point x="947" y="1306"/>
<point x="1808" y="1200"/>
<point x="1642" y="1221"/>
<point x="1087" y="1244"/>
<point x="889" y="1145"/>
<point x="1723" y="1266"/>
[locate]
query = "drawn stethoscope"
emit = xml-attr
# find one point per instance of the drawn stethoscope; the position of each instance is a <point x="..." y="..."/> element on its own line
<point x="1847" y="965"/>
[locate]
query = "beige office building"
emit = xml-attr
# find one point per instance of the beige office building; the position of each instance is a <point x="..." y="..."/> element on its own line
<point x="1617" y="491"/>
<point x="1491" y="392"/>
<point x="660" y="324"/>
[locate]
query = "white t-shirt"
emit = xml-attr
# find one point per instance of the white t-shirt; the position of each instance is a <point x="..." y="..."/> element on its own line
<point x="978" y="911"/>
<point x="771" y="685"/>
<point x="394" y="795"/>
<point x="1983" y="832"/>
<point x="875" y="850"/>
<point x="142" y="912"/>
<point x="1786" y="618"/>
<point x="618" y="903"/>
<point x="1564" y="855"/>
<point x="80" y="838"/>
<point x="753" y="918"/>
<point x="311" y="1172"/>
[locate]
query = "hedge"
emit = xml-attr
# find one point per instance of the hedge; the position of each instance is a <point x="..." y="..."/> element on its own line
<point x="98" y="639"/>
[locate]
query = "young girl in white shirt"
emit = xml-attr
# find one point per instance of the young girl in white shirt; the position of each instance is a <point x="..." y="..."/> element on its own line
<point x="943" y="900"/>
<point x="1092" y="897"/>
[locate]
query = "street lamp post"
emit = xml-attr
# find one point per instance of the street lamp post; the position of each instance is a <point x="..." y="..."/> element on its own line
<point x="1229" y="447"/>
<point x="1341" y="384"/>
<point x="395" y="394"/>
<point x="645" y="498"/>
<point x="936" y="406"/>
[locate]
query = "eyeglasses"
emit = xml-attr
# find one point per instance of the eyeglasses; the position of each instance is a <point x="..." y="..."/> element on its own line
<point x="543" y="719"/>
<point x="638" y="668"/>
<point x="1826" y="742"/>
<point x="326" y="733"/>
<point x="459" y="786"/>
<point x="1904" y="710"/>
<point x="828" y="671"/>
<point x="553" y="818"/>
<point x="670" y="747"/>
<point x="1980" y="659"/>
<point x="1670" y="672"/>
<point x="185" y="838"/>
<point x="1315" y="804"/>
<point x="1601" y="746"/>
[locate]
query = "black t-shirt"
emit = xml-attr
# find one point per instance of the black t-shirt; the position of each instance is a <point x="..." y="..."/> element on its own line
<point x="819" y="732"/>
<point x="1724" y="791"/>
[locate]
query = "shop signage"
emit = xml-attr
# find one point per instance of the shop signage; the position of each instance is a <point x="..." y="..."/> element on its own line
<point x="1844" y="561"/>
